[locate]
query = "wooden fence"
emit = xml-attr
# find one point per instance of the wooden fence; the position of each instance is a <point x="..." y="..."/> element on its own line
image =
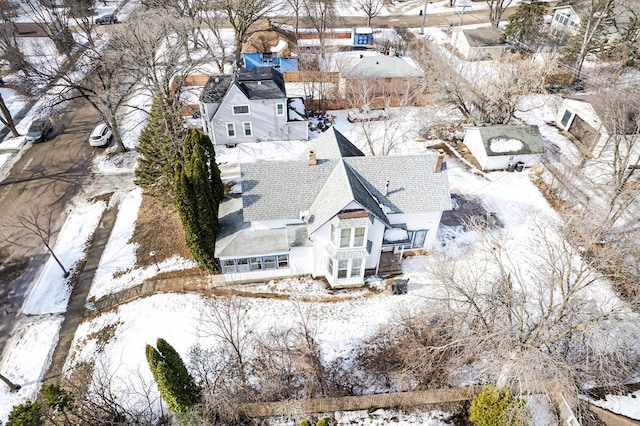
<point x="352" y="403"/>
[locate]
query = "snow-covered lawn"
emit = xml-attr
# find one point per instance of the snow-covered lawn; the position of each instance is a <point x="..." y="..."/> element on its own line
<point x="50" y="293"/>
<point x="26" y="358"/>
<point x="342" y="323"/>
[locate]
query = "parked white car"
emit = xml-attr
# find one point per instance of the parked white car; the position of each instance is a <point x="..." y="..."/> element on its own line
<point x="100" y="136"/>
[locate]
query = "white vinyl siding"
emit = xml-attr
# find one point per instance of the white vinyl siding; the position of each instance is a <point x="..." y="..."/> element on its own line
<point x="241" y="110"/>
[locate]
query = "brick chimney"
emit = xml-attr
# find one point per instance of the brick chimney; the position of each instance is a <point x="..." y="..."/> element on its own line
<point x="439" y="164"/>
<point x="312" y="158"/>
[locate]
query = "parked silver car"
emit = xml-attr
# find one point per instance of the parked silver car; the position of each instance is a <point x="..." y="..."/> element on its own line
<point x="39" y="130"/>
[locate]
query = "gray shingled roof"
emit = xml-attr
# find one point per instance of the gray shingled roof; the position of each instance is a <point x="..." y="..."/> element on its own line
<point x="382" y="66"/>
<point x="413" y="185"/>
<point x="529" y="136"/>
<point x="291" y="189"/>
<point x="215" y="89"/>
<point x="281" y="190"/>
<point x="260" y="83"/>
<point x="341" y="188"/>
<point x="236" y="237"/>
<point x="332" y="144"/>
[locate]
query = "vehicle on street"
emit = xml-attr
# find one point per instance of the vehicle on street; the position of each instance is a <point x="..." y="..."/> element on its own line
<point x="39" y="130"/>
<point x="107" y="19"/>
<point x="100" y="136"/>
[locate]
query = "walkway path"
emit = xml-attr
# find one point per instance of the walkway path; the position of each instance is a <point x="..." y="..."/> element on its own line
<point x="76" y="308"/>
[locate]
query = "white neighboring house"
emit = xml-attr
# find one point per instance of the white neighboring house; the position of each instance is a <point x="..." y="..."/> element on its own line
<point x="251" y="106"/>
<point x="333" y="213"/>
<point x="499" y="147"/>
<point x="479" y="43"/>
<point x="593" y="121"/>
<point x="31" y="38"/>
<point x="565" y="21"/>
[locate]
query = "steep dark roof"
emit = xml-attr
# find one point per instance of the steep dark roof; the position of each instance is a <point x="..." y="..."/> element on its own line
<point x="260" y="83"/>
<point x="215" y="88"/>
<point x="332" y="144"/>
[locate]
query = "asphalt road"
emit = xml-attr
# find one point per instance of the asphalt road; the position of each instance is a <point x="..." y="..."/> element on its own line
<point x="46" y="178"/>
<point x="411" y="21"/>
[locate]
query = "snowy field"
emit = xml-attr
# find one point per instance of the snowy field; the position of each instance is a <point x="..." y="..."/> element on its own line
<point x="175" y="317"/>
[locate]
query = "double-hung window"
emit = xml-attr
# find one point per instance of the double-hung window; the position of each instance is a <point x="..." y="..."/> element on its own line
<point x="240" y="109"/>
<point x="349" y="237"/>
<point x="231" y="130"/>
<point x="247" y="128"/>
<point x="343" y="268"/>
<point x="345" y="237"/>
<point x="280" y="109"/>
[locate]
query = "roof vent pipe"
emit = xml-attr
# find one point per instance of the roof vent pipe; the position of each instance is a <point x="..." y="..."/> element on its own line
<point x="386" y="192"/>
<point x="439" y="164"/>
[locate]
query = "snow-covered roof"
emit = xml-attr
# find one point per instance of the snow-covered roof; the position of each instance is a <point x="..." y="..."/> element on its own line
<point x="510" y="140"/>
<point x="296" y="110"/>
<point x="380" y="66"/>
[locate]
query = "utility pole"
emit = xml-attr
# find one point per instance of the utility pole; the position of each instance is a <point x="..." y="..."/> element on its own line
<point x="455" y="37"/>
<point x="424" y="16"/>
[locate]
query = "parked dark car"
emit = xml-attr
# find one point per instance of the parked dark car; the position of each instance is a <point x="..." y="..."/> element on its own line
<point x="107" y="19"/>
<point x="38" y="130"/>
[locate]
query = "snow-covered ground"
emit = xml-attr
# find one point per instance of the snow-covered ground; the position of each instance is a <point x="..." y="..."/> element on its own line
<point x="175" y="317"/>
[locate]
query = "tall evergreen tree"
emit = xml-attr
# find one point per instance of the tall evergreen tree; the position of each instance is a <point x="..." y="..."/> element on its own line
<point x="160" y="149"/>
<point x="525" y="25"/>
<point x="27" y="414"/>
<point x="176" y="385"/>
<point x="198" y="192"/>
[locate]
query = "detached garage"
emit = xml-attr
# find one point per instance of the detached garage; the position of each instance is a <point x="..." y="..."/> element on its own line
<point x="502" y="147"/>
<point x="479" y="44"/>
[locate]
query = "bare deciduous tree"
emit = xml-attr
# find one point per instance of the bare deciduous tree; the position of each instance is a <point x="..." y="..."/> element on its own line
<point x="6" y="118"/>
<point x="241" y="15"/>
<point x="296" y="7"/>
<point x="591" y="34"/>
<point x="40" y="225"/>
<point x="496" y="9"/>
<point x="371" y="8"/>
<point x="227" y="319"/>
<point x="550" y="322"/>
<point x="320" y="13"/>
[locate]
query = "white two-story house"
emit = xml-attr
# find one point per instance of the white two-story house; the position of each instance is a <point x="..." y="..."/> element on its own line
<point x="333" y="213"/>
<point x="251" y="106"/>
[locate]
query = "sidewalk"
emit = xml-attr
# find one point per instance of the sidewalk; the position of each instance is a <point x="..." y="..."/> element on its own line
<point x="76" y="308"/>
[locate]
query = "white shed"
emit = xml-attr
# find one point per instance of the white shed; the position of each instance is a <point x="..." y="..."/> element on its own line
<point x="594" y="120"/>
<point x="497" y="147"/>
<point x="479" y="43"/>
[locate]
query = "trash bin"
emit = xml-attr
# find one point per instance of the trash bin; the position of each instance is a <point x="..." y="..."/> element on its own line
<point x="399" y="286"/>
<point x="420" y="12"/>
<point x="519" y="166"/>
<point x="511" y="167"/>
